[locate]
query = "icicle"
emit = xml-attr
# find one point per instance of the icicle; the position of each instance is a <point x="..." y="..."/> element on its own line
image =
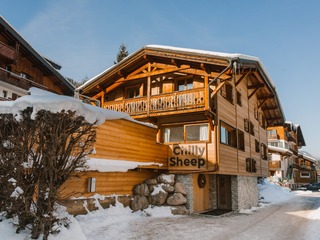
<point x="235" y="67"/>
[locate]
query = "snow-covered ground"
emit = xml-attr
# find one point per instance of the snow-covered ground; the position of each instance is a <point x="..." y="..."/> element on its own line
<point x="120" y="223"/>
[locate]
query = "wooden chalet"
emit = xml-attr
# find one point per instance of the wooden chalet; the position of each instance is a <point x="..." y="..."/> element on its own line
<point x="21" y="67"/>
<point x="287" y="164"/>
<point x="212" y="111"/>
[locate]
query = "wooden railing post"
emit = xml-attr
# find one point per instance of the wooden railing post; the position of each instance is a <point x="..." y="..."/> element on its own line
<point x="148" y="90"/>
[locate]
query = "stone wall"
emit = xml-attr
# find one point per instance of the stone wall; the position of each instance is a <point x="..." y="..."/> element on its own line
<point x="161" y="191"/>
<point x="212" y="191"/>
<point x="187" y="180"/>
<point x="245" y="192"/>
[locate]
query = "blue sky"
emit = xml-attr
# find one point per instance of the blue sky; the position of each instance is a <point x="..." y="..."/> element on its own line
<point x="84" y="37"/>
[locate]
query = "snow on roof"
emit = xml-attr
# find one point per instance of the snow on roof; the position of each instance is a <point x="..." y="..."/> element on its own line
<point x="40" y="99"/>
<point x="280" y="150"/>
<point x="228" y="56"/>
<point x="109" y="165"/>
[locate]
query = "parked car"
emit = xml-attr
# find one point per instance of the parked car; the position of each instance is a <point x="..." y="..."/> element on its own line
<point x="313" y="187"/>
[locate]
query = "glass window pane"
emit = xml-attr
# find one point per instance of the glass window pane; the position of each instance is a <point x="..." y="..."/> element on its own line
<point x="197" y="132"/>
<point x="173" y="134"/>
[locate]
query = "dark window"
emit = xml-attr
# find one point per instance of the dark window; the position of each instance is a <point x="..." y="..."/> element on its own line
<point x="133" y="92"/>
<point x="5" y="94"/>
<point x="257" y="145"/>
<point x="264" y="155"/>
<point x="251" y="165"/>
<point x="227" y="92"/>
<point x="240" y="140"/>
<point x="228" y="135"/>
<point x="239" y="102"/>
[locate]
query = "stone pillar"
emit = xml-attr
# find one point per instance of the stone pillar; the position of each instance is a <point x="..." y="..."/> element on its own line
<point x="212" y="191"/>
<point x="187" y="180"/>
<point x="245" y="192"/>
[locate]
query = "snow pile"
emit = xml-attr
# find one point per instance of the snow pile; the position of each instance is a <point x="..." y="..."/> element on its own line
<point x="40" y="99"/>
<point x="109" y="165"/>
<point x="273" y="193"/>
<point x="117" y="222"/>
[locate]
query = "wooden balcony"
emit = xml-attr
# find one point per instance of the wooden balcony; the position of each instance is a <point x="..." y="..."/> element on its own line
<point x="18" y="81"/>
<point x="274" y="164"/>
<point x="162" y="104"/>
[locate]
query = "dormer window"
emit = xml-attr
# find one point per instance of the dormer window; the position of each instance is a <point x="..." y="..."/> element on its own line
<point x="133" y="92"/>
<point x="184" y="84"/>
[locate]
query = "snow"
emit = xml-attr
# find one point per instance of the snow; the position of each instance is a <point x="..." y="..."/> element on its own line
<point x="109" y="165"/>
<point x="117" y="221"/>
<point x="40" y="99"/>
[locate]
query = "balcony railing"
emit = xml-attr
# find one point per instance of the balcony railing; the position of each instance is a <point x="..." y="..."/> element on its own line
<point x="17" y="80"/>
<point x="182" y="100"/>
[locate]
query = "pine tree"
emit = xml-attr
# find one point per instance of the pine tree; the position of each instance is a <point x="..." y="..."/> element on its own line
<point x="123" y="53"/>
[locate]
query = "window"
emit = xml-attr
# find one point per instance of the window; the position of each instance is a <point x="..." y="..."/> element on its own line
<point x="227" y="92"/>
<point x="248" y="126"/>
<point x="274" y="144"/>
<point x="251" y="129"/>
<point x="5" y="94"/>
<point x="264" y="155"/>
<point x="133" y="92"/>
<point x="184" y="84"/>
<point x="14" y="96"/>
<point x="257" y="144"/>
<point x="305" y="175"/>
<point x="251" y="165"/>
<point x="186" y="133"/>
<point x="239" y="102"/>
<point x="228" y="135"/>
<point x="240" y="140"/>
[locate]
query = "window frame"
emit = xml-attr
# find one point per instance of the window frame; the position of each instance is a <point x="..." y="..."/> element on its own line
<point x="185" y="133"/>
<point x="127" y="90"/>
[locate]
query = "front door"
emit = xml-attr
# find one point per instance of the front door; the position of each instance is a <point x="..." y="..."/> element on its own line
<point x="200" y="192"/>
<point x="224" y="192"/>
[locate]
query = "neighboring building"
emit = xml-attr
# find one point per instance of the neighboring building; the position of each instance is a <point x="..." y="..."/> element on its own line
<point x="212" y="111"/>
<point x="286" y="164"/>
<point x="21" y="67"/>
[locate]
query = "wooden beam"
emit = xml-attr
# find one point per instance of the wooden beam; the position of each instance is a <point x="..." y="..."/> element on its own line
<point x="204" y="73"/>
<point x="254" y="91"/>
<point x="254" y="86"/>
<point x="263" y="102"/>
<point x="266" y="97"/>
<point x="242" y="77"/>
<point x="269" y="108"/>
<point x="218" y="88"/>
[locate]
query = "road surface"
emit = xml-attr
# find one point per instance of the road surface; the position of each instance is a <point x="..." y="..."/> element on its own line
<point x="299" y="218"/>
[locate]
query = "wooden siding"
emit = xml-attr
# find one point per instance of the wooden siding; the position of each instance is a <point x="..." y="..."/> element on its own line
<point x="125" y="140"/>
<point x="107" y="183"/>
<point x="231" y="159"/>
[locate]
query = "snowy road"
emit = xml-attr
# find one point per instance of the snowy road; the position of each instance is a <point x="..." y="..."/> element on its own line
<point x="299" y="218"/>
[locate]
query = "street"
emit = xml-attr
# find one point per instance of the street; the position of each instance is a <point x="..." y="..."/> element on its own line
<point x="299" y="218"/>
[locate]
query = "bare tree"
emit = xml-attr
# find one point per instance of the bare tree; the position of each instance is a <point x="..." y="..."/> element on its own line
<point x="45" y="151"/>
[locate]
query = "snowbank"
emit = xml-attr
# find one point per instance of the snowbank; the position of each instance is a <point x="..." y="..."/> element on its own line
<point x="273" y="193"/>
<point x="40" y="99"/>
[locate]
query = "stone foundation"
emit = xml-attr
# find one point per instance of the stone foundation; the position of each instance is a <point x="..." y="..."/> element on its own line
<point x="245" y="192"/>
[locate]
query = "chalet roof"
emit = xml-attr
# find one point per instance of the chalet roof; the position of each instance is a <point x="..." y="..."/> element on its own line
<point x="211" y="61"/>
<point x="48" y="65"/>
<point x="306" y="157"/>
<point x="297" y="129"/>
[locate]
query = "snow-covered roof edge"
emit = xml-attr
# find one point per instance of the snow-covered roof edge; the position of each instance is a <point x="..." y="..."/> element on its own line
<point x="280" y="150"/>
<point x="227" y="56"/>
<point x="40" y="99"/>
